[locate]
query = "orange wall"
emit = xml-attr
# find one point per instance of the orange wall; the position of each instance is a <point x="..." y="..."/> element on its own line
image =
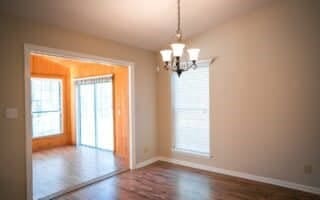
<point x="42" y="67"/>
<point x="121" y="108"/>
<point x="47" y="66"/>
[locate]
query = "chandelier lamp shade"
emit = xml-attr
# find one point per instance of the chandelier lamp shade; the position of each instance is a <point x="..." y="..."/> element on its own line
<point x="174" y="58"/>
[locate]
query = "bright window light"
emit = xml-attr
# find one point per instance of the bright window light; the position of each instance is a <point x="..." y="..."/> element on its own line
<point x="46" y="107"/>
<point x="190" y="107"/>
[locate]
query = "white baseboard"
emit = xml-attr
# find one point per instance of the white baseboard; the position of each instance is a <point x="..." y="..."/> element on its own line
<point x="262" y="179"/>
<point x="147" y="162"/>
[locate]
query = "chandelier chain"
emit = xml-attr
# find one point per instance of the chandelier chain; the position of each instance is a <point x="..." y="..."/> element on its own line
<point x="179" y="21"/>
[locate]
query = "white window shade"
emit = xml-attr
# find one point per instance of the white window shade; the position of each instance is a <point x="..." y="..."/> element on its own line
<point x="190" y="95"/>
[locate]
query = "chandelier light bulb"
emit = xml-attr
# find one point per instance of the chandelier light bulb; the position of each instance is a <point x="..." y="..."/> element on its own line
<point x="177" y="49"/>
<point x="166" y="55"/>
<point x="193" y="54"/>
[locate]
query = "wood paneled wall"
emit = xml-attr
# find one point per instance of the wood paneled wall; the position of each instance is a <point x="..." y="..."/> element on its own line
<point x="121" y="111"/>
<point x="68" y="70"/>
<point x="43" y="67"/>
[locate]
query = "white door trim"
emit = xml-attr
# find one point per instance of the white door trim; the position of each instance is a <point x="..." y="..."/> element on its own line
<point x="35" y="49"/>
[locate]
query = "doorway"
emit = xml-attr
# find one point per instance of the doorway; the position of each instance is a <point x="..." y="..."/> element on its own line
<point x="95" y="132"/>
<point x="95" y="123"/>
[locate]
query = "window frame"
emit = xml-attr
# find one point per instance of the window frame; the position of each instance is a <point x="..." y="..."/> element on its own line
<point x="173" y="124"/>
<point x="62" y="103"/>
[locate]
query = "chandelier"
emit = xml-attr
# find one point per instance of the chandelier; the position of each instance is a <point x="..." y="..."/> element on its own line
<point x="174" y="59"/>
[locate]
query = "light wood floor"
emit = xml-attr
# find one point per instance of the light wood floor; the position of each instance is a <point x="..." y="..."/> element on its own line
<point x="60" y="168"/>
<point x="164" y="181"/>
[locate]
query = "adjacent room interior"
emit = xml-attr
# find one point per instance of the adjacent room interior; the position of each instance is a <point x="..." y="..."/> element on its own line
<point x="160" y="100"/>
<point x="79" y="123"/>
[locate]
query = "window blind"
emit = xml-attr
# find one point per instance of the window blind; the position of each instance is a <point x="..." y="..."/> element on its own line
<point x="190" y="97"/>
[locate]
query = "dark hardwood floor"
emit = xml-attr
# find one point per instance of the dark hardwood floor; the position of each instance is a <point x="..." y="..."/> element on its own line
<point x="164" y="181"/>
<point x="64" y="167"/>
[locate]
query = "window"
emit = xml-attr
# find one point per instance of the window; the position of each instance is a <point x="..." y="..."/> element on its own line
<point x="190" y="95"/>
<point x="46" y="106"/>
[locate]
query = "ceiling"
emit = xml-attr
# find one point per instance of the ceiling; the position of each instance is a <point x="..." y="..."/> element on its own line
<point x="70" y="63"/>
<point x="148" y="24"/>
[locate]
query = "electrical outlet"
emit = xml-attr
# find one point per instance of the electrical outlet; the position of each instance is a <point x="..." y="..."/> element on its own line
<point x="308" y="169"/>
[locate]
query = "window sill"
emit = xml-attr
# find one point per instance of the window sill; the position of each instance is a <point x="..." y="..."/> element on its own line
<point x="192" y="153"/>
<point x="47" y="136"/>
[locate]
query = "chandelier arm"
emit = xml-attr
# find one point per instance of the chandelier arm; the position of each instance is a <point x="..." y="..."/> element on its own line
<point x="188" y="67"/>
<point x="182" y="66"/>
<point x="191" y="66"/>
<point x="173" y="67"/>
<point x="172" y="63"/>
<point x="175" y="70"/>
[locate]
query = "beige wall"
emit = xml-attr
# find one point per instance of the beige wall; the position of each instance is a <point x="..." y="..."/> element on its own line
<point x="14" y="33"/>
<point x="265" y="93"/>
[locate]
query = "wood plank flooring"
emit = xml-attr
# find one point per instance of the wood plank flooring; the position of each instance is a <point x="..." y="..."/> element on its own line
<point x="60" y="168"/>
<point x="164" y="181"/>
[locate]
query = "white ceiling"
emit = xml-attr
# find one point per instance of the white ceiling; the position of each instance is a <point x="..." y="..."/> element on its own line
<point x="149" y="24"/>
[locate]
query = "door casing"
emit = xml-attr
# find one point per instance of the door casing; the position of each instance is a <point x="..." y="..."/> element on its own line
<point x="35" y="49"/>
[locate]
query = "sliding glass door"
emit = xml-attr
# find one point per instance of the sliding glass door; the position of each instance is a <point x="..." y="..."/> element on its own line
<point x="95" y="113"/>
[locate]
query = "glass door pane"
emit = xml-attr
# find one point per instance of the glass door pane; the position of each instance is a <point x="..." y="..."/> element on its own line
<point x="95" y="113"/>
<point x="86" y="122"/>
<point x="104" y="116"/>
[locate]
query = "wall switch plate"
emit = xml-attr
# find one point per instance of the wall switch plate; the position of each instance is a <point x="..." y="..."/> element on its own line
<point x="308" y="169"/>
<point x="11" y="113"/>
